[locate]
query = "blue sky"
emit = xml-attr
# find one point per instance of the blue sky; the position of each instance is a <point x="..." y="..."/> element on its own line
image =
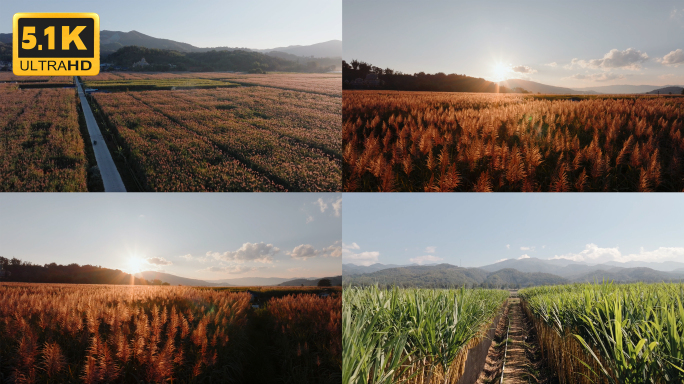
<point x="202" y="236"/>
<point x="207" y="23"/>
<point x="480" y="229"/>
<point x="534" y="40"/>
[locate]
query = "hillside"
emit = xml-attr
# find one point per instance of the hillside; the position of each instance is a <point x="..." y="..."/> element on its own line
<point x="236" y="60"/>
<point x="361" y="75"/>
<point x="249" y="281"/>
<point x="353" y="269"/>
<point x="23" y="271"/>
<point x="504" y="275"/>
<point x="630" y="275"/>
<point x="617" y="89"/>
<point x="335" y="281"/>
<point x="535" y="87"/>
<point x="175" y="280"/>
<point x="667" y="90"/>
<point x="332" y="48"/>
<point x="441" y="275"/>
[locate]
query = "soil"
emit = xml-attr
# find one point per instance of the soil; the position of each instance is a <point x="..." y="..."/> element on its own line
<point x="523" y="359"/>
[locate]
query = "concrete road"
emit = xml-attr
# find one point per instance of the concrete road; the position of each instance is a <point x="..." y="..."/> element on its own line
<point x="110" y="175"/>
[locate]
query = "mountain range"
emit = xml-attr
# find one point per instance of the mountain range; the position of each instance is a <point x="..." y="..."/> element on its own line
<point x="512" y="272"/>
<point x="535" y="87"/>
<point x="241" y="281"/>
<point x="111" y="41"/>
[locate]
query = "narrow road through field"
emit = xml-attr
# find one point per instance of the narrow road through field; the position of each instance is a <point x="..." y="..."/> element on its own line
<point x="522" y="359"/>
<point x="110" y="175"/>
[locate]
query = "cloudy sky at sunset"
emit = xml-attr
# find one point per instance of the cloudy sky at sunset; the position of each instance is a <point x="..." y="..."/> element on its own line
<point x="201" y="236"/>
<point x="563" y="43"/>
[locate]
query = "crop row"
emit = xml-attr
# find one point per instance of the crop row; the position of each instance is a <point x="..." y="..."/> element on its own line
<point x="270" y="139"/>
<point x="412" y="141"/>
<point x="610" y="333"/>
<point x="320" y="83"/>
<point x="41" y="148"/>
<point x="413" y="335"/>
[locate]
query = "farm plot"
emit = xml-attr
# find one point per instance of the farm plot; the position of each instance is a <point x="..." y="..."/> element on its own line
<point x="609" y="333"/>
<point x="41" y="148"/>
<point x="101" y="333"/>
<point x="413" y="335"/>
<point x="421" y="141"/>
<point x="247" y="138"/>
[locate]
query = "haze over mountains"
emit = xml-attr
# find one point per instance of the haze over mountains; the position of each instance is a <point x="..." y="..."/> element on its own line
<point x="535" y="87"/>
<point x="110" y="41"/>
<point x="513" y="272"/>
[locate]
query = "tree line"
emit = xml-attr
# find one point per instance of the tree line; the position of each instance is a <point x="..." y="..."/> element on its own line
<point x="235" y="60"/>
<point x="354" y="76"/>
<point x="17" y="270"/>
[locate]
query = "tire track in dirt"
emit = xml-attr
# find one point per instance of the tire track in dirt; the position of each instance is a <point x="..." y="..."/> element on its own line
<point x="523" y="358"/>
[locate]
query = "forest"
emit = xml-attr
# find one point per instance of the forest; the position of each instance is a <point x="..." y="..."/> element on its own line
<point x="17" y="270"/>
<point x="390" y="79"/>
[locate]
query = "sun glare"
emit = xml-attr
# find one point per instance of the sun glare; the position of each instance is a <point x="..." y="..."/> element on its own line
<point x="135" y="264"/>
<point x="501" y="71"/>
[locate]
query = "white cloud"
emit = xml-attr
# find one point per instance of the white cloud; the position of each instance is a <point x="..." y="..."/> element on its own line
<point x="554" y="64"/>
<point x="309" y="219"/>
<point x="527" y="248"/>
<point x="158" y="261"/>
<point x="628" y="59"/>
<point x="257" y="252"/>
<point x="307" y="251"/>
<point x="303" y="252"/>
<point x="322" y="204"/>
<point x="187" y="257"/>
<point x="425" y="259"/>
<point x="674" y="58"/>
<point x="430" y="249"/>
<point x="337" y="207"/>
<point x="523" y="69"/>
<point x="358" y="258"/>
<point x="606" y="76"/>
<point x="523" y="257"/>
<point x="508" y="246"/>
<point x="500" y="260"/>
<point x="592" y="253"/>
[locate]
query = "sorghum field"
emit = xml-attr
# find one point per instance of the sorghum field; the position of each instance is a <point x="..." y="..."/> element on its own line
<point x="277" y="137"/>
<point x="413" y="335"/>
<point x="41" y="147"/>
<point x="423" y="141"/>
<point x="102" y="333"/>
<point x="609" y="333"/>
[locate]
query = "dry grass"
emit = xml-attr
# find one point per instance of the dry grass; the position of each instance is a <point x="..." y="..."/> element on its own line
<point x="421" y="141"/>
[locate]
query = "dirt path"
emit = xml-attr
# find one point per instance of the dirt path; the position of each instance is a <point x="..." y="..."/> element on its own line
<point x="523" y="360"/>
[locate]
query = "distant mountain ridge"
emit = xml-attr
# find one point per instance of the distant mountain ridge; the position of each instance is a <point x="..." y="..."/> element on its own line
<point x="535" y="87"/>
<point x="175" y="280"/>
<point x="511" y="273"/>
<point x="111" y="41"/>
<point x="334" y="281"/>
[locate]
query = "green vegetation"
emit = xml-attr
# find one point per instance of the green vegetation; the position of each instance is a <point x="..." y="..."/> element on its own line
<point x="609" y="333"/>
<point x="412" y="335"/>
<point x="447" y="276"/>
<point x="156" y="84"/>
<point x="236" y="60"/>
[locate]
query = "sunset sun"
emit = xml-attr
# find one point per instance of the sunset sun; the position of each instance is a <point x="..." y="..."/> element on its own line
<point x="135" y="264"/>
<point x="500" y="71"/>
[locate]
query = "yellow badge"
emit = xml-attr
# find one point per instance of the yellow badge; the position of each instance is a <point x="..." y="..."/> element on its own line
<point x="56" y="44"/>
